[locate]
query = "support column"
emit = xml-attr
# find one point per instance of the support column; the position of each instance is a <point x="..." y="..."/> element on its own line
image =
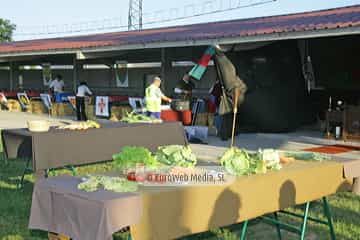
<point x="165" y="69"/>
<point x="75" y="76"/>
<point x="11" y="72"/>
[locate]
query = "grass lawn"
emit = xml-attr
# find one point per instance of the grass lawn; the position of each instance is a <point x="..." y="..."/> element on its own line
<point x="15" y="208"/>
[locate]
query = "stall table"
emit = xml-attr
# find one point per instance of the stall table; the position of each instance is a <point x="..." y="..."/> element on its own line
<point x="60" y="148"/>
<point x="172" y="212"/>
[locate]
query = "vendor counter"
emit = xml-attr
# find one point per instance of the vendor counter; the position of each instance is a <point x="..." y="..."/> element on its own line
<point x="161" y="213"/>
<point x="59" y="148"/>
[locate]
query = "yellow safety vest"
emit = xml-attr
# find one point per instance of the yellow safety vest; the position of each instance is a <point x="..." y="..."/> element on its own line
<point x="153" y="102"/>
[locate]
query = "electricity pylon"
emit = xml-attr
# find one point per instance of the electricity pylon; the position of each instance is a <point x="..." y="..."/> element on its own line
<point x="135" y="15"/>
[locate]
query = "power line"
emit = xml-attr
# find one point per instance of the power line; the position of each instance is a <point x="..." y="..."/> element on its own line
<point x="157" y="17"/>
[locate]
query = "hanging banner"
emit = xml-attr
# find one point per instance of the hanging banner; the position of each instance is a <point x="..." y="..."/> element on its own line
<point x="24" y="100"/>
<point x="122" y="74"/>
<point x="46" y="99"/>
<point x="102" y="106"/>
<point x="72" y="101"/>
<point x="46" y="72"/>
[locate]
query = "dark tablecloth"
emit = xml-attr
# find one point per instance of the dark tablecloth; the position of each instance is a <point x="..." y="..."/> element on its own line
<point x="59" y="148"/>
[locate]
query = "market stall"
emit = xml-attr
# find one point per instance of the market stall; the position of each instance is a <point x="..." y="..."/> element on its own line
<point x="59" y="148"/>
<point x="172" y="212"/>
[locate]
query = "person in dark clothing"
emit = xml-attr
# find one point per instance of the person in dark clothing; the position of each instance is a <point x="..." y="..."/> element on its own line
<point x="215" y="93"/>
<point x="234" y="89"/>
<point x="184" y="88"/>
<point x="82" y="91"/>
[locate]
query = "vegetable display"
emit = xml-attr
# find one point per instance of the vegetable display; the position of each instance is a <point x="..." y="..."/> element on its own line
<point x="130" y="156"/>
<point x="80" y="126"/>
<point x="133" y="117"/>
<point x="114" y="184"/>
<point x="176" y="155"/>
<point x="239" y="162"/>
<point x="307" y="156"/>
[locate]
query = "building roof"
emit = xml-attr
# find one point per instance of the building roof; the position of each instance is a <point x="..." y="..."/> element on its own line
<point x="345" y="20"/>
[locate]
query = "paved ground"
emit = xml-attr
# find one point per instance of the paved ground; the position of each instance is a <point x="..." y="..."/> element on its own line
<point x="291" y="141"/>
<point x="19" y="119"/>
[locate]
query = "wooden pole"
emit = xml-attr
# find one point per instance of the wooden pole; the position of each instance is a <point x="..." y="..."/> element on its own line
<point x="233" y="129"/>
<point x="75" y="79"/>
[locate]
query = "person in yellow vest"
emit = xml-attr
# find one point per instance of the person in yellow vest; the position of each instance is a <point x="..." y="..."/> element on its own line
<point x="153" y="97"/>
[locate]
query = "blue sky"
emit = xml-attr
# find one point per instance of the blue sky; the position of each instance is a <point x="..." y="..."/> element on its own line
<point x="31" y="14"/>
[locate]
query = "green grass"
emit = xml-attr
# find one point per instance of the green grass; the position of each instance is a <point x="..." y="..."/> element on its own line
<point x="15" y="208"/>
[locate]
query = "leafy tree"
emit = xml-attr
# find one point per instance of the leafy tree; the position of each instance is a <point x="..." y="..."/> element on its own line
<point x="6" y="30"/>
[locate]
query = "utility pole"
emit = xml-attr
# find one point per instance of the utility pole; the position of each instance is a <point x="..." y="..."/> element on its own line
<point x="135" y="15"/>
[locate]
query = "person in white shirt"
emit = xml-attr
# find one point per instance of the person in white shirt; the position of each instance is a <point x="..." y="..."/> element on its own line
<point x="82" y="91"/>
<point x="57" y="85"/>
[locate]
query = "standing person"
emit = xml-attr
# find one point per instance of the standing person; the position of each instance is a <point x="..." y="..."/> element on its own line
<point x="153" y="97"/>
<point x="234" y="89"/>
<point x="82" y="91"/>
<point x="184" y="88"/>
<point x="56" y="85"/>
<point x="215" y="93"/>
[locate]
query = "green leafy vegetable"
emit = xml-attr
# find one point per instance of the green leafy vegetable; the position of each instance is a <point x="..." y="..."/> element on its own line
<point x="236" y="161"/>
<point x="307" y="156"/>
<point x="271" y="157"/>
<point x="130" y="156"/>
<point x="133" y="117"/>
<point x="115" y="184"/>
<point x="176" y="155"/>
<point x="240" y="162"/>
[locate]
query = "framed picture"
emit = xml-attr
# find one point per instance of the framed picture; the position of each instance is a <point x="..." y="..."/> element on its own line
<point x="102" y="106"/>
<point x="24" y="100"/>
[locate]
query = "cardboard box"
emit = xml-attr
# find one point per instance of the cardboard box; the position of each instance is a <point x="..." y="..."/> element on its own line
<point x="14" y="105"/>
<point x="202" y="119"/>
<point x="90" y="112"/>
<point x="211" y="120"/>
<point x="62" y="109"/>
<point x="117" y="112"/>
<point x="38" y="107"/>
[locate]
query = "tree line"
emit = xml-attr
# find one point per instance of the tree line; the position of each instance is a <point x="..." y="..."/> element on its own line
<point x="6" y="30"/>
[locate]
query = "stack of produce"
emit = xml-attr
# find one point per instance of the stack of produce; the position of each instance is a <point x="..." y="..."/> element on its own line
<point x="114" y="184"/>
<point x="129" y="157"/>
<point x="139" y="118"/>
<point x="80" y="126"/>
<point x="176" y="155"/>
<point x="240" y="162"/>
<point x="307" y="156"/>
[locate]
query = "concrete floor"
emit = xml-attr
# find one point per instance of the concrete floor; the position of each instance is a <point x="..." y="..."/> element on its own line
<point x="19" y="119"/>
<point x="294" y="141"/>
<point x="299" y="140"/>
